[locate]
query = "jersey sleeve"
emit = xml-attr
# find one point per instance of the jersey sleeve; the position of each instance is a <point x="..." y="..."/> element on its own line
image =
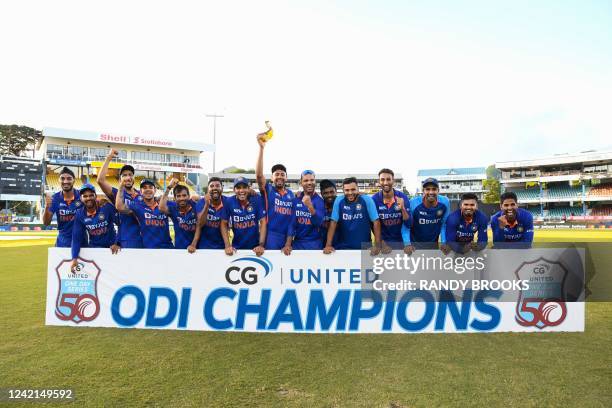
<point x="483" y="236"/>
<point x="414" y="203"/>
<point x="371" y="206"/>
<point x="199" y="205"/>
<point x="135" y="207"/>
<point x="261" y="208"/>
<point x="292" y="223"/>
<point x="335" y="215"/>
<point x="452" y="224"/>
<point x="78" y="231"/>
<point x="407" y="223"/>
<point x="113" y="195"/>
<point x="317" y="218"/>
<point x="528" y="225"/>
<point x="54" y="204"/>
<point x="446" y="203"/>
<point x="172" y="210"/>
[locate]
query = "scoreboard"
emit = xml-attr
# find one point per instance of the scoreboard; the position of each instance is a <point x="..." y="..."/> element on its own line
<point x="21" y="176"/>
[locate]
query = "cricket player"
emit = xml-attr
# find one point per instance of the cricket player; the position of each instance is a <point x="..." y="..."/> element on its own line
<point x="153" y="222"/>
<point x="182" y="212"/>
<point x="278" y="200"/>
<point x="64" y="204"/>
<point x="210" y="213"/>
<point x="512" y="226"/>
<point x="429" y="214"/>
<point x="393" y="208"/>
<point x="354" y="216"/>
<point x="129" y="230"/>
<point x="308" y="212"/>
<point x="463" y="224"/>
<point x="93" y="223"/>
<point x="328" y="192"/>
<point x="246" y="216"/>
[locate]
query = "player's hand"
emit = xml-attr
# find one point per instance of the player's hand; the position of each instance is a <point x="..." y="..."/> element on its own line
<point x="113" y="153"/>
<point x="287" y="250"/>
<point x="115" y="249"/>
<point x="408" y="249"/>
<point x="386" y="249"/>
<point x="375" y="250"/>
<point x="74" y="265"/>
<point x="328" y="249"/>
<point x="502" y="221"/>
<point x="399" y="201"/>
<point x="260" y="141"/>
<point x="445" y="249"/>
<point x="306" y="200"/>
<point x="230" y="250"/>
<point x="48" y="200"/>
<point x="172" y="183"/>
<point x="207" y="198"/>
<point x="259" y="250"/>
<point x="191" y="248"/>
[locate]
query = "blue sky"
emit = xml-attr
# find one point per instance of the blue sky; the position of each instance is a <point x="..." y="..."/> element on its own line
<point x="350" y="86"/>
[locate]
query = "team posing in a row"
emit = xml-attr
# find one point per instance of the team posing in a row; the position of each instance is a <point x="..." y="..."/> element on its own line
<point x="276" y="218"/>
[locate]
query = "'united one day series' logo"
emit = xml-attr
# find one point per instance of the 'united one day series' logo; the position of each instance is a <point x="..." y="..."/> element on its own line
<point x="77" y="294"/>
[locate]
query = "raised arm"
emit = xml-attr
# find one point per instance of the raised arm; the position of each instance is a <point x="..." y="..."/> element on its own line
<point x="163" y="203"/>
<point x="48" y="214"/>
<point x="104" y="185"/>
<point x="259" y="175"/>
<point x="120" y="202"/>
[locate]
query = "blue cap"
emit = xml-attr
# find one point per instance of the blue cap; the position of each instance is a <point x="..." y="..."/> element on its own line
<point x="87" y="186"/>
<point x="146" y="181"/>
<point x="241" y="180"/>
<point x="430" y="180"/>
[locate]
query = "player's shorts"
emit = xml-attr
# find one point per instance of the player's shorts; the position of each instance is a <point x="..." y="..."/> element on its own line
<point x="274" y="240"/>
<point x="135" y="243"/>
<point x="308" y="245"/>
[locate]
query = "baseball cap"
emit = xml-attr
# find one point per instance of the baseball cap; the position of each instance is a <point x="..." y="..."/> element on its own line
<point x="126" y="167"/>
<point x="87" y="186"/>
<point x="430" y="180"/>
<point x="146" y="181"/>
<point x="241" y="180"/>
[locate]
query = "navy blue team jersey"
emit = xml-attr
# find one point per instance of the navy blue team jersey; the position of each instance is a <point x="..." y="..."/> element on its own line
<point x="305" y="227"/>
<point x="154" y="227"/>
<point x="392" y="225"/>
<point x="98" y="228"/>
<point x="65" y="211"/>
<point x="518" y="235"/>
<point x="428" y="224"/>
<point x="354" y="221"/>
<point x="278" y="208"/>
<point x="129" y="230"/>
<point x="210" y="237"/>
<point x="244" y="221"/>
<point x="460" y="231"/>
<point x="184" y="223"/>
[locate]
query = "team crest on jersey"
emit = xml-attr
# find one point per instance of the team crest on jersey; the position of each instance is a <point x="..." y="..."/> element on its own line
<point x="140" y="198"/>
<point x="77" y="293"/>
<point x="397" y="207"/>
<point x="250" y="208"/>
<point x="358" y="206"/>
<point x="101" y="217"/>
<point x="543" y="304"/>
<point x="520" y="229"/>
<point x="474" y="228"/>
<point x="439" y="212"/>
<point x="77" y="204"/>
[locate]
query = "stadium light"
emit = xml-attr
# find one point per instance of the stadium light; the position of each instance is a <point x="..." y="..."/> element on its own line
<point x="214" y="116"/>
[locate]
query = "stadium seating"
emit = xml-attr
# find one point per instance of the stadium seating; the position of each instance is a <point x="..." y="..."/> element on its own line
<point x="535" y="211"/>
<point x="602" y="211"/>
<point x="53" y="183"/>
<point x="602" y="190"/>
<point x="564" y="192"/>
<point x="560" y="212"/>
<point x="528" y="194"/>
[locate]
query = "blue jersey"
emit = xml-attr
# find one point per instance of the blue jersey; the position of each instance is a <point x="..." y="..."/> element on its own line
<point x="99" y="226"/>
<point x="129" y="230"/>
<point x="325" y="227"/>
<point x="304" y="226"/>
<point x="521" y="233"/>
<point x="354" y="221"/>
<point x="460" y="231"/>
<point x="153" y="225"/>
<point x="392" y="225"/>
<point x="244" y="221"/>
<point x="184" y="223"/>
<point x="278" y="208"/>
<point x="428" y="224"/>
<point x="210" y="237"/>
<point x="65" y="211"/>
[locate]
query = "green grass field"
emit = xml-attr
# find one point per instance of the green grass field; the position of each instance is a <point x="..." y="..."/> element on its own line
<point x="127" y="367"/>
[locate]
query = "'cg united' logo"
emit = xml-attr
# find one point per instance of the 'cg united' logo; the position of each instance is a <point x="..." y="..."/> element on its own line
<point x="543" y="304"/>
<point x="77" y="294"/>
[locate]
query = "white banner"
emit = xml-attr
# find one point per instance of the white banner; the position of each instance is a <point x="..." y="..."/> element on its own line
<point x="305" y="292"/>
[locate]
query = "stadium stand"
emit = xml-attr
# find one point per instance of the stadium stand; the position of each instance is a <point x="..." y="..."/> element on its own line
<point x="602" y="190"/>
<point x="528" y="194"/>
<point x="602" y="211"/>
<point x="535" y="211"/>
<point x="560" y="212"/>
<point x="564" y="192"/>
<point x="52" y="182"/>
